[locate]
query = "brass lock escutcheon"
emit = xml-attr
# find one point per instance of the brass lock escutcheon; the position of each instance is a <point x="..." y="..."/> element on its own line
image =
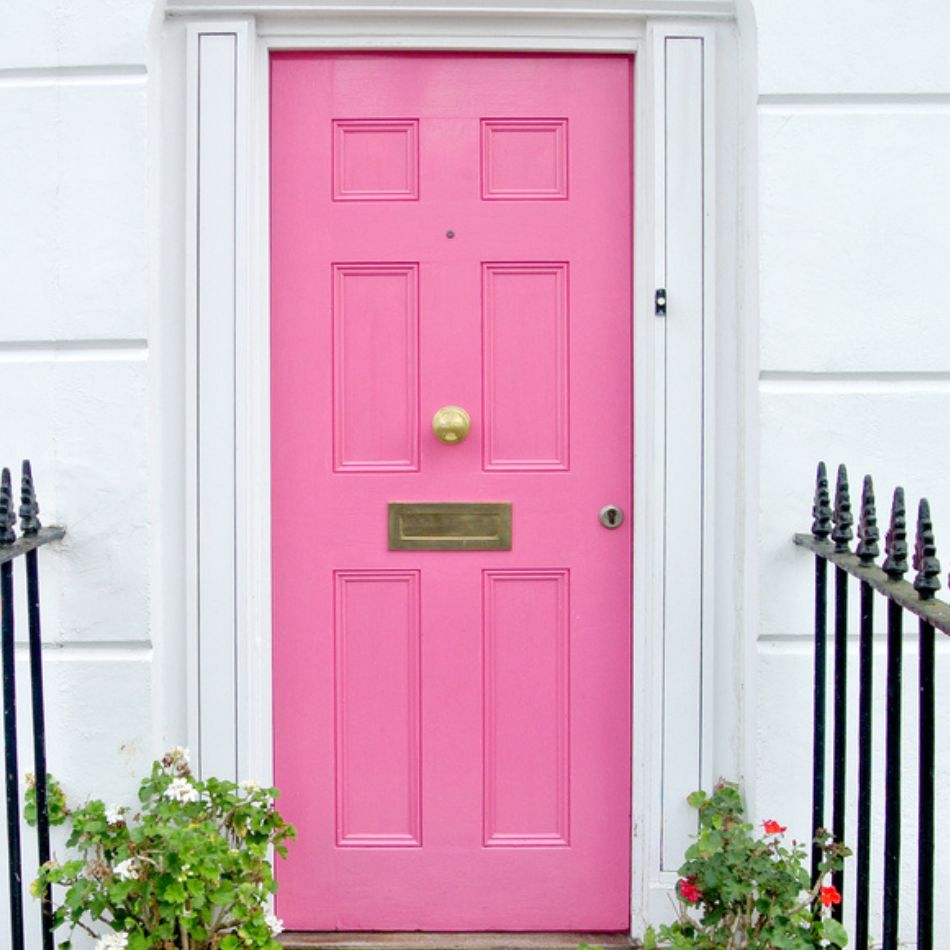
<point x="451" y="424"/>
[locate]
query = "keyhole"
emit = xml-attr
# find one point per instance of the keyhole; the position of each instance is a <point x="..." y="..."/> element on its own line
<point x="611" y="517"/>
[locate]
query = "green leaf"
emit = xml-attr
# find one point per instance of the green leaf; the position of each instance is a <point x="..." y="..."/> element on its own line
<point x="56" y="808"/>
<point x="834" y="932"/>
<point x="696" y="799"/>
<point x="173" y="892"/>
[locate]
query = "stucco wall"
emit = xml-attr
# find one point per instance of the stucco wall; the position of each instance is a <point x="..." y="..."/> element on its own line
<point x="76" y="266"/>
<point x="854" y="224"/>
<point x="853" y="229"/>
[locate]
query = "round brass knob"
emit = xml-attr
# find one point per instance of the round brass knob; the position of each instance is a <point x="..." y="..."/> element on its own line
<point x="451" y="424"/>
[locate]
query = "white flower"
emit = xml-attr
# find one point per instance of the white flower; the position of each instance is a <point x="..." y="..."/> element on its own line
<point x="248" y="786"/>
<point x="114" y="814"/>
<point x="181" y="790"/>
<point x="274" y="924"/>
<point x="128" y="870"/>
<point x="117" y="941"/>
<point x="179" y="754"/>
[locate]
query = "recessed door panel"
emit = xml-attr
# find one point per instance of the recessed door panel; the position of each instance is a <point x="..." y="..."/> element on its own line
<point x="527" y="739"/>
<point x="375" y="366"/>
<point x="526" y="334"/>
<point x="378" y="708"/>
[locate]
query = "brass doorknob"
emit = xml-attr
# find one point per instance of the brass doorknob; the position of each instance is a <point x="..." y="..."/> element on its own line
<point x="451" y="424"/>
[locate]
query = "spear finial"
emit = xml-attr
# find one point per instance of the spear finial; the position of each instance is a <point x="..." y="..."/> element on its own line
<point x="29" y="507"/>
<point x="927" y="581"/>
<point x="842" y="534"/>
<point x="821" y="509"/>
<point x="7" y="510"/>
<point x="868" y="532"/>
<point x="895" y="541"/>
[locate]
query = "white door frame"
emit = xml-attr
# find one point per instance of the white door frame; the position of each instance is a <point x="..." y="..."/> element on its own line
<point x="686" y="161"/>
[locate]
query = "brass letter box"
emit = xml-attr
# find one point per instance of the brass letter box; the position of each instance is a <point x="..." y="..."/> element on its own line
<point x="450" y="526"/>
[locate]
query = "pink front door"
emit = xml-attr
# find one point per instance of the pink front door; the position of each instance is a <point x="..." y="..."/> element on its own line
<point x="452" y="728"/>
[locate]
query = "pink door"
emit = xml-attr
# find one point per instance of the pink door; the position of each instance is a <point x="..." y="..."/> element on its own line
<point x="452" y="727"/>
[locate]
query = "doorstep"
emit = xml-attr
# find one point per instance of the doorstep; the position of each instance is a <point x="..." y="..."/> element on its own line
<point x="453" y="941"/>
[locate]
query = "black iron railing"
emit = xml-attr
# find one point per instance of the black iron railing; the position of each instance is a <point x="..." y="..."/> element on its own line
<point x="830" y="540"/>
<point x="34" y="536"/>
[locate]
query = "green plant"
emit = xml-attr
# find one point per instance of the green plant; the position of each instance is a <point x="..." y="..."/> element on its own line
<point x="738" y="891"/>
<point x="189" y="870"/>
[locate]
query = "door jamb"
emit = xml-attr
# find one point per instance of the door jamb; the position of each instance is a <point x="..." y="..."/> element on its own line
<point x="227" y="280"/>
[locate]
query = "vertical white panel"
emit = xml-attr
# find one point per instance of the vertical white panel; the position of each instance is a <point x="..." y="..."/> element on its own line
<point x="228" y="411"/>
<point x="684" y="442"/>
<point x="213" y="450"/>
<point x="252" y="412"/>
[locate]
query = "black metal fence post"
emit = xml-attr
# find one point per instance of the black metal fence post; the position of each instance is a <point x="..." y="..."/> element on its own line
<point x="820" y="529"/>
<point x="867" y="550"/>
<point x="11" y="766"/>
<point x="926" y="583"/>
<point x="841" y="535"/>
<point x="30" y="527"/>
<point x="895" y="566"/>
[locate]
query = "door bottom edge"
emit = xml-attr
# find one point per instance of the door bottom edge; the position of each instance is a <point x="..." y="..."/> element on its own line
<point x="416" y="940"/>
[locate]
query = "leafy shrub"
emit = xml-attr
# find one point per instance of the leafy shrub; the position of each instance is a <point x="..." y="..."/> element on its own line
<point x="741" y="892"/>
<point x="188" y="871"/>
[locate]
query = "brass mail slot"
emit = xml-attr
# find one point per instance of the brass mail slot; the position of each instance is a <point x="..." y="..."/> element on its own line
<point x="450" y="526"/>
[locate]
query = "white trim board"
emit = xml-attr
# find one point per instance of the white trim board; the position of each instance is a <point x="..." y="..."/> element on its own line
<point x="677" y="91"/>
<point x="418" y="9"/>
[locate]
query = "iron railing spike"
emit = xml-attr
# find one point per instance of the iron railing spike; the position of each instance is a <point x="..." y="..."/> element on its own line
<point x="29" y="507"/>
<point x="821" y="509"/>
<point x="7" y="511"/>
<point x="895" y="541"/>
<point x="868" y="532"/>
<point x="842" y="534"/>
<point x="926" y="563"/>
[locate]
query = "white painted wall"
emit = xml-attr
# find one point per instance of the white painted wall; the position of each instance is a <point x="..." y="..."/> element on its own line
<point x="854" y="223"/>
<point x="78" y="271"/>
<point x="843" y="282"/>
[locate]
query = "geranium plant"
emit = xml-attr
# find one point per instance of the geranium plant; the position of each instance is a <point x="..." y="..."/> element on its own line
<point x="740" y="890"/>
<point x="187" y="870"/>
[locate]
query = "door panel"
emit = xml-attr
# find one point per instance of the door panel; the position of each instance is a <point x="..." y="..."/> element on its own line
<point x="525" y="365"/>
<point x="526" y="656"/>
<point x="452" y="728"/>
<point x="378" y="756"/>
<point x="375" y="367"/>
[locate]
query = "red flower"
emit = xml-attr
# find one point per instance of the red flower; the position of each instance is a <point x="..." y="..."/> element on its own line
<point x="773" y="827"/>
<point x="830" y="895"/>
<point x="689" y="891"/>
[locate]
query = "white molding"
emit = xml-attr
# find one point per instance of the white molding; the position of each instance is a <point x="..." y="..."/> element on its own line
<point x="603" y="9"/>
<point x="218" y="385"/>
<point x="238" y="740"/>
<point x="746" y="446"/>
<point x="711" y="338"/>
<point x="675" y="572"/>
<point x="255" y="732"/>
<point x="680" y="69"/>
<point x="482" y="33"/>
<point x="192" y="490"/>
<point x="648" y="487"/>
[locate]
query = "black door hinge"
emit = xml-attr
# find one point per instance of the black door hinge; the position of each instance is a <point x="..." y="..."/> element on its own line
<point x="659" y="302"/>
